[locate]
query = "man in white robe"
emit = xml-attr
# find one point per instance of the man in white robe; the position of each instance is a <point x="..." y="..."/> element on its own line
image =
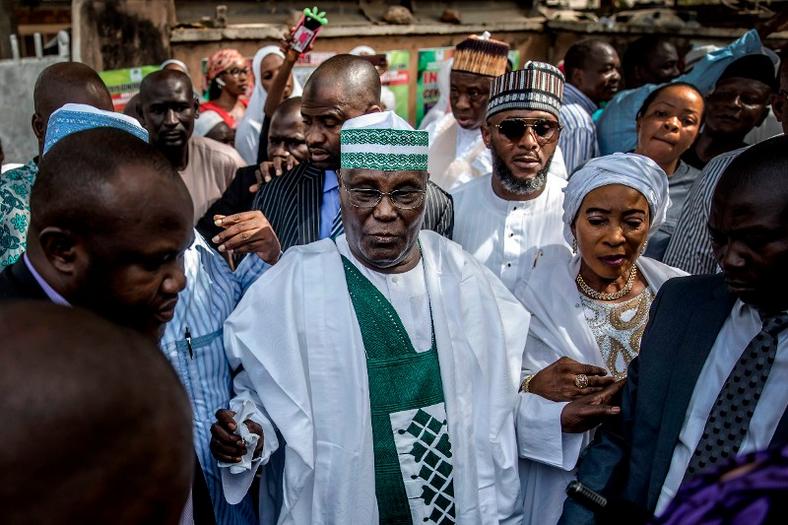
<point x="512" y="217"/>
<point x="313" y="336"/>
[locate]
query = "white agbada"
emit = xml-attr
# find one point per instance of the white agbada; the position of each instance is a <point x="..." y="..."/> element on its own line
<point x="558" y="328"/>
<point x="297" y="337"/>
<point x="509" y="236"/>
<point x="458" y="155"/>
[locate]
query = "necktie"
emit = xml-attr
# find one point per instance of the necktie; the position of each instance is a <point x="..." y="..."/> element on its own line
<point x="337" y="228"/>
<point x="730" y="416"/>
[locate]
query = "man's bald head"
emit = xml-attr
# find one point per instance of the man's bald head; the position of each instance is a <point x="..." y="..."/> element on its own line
<point x="747" y="221"/>
<point x="342" y="87"/>
<point x="63" y="83"/>
<point x="164" y="77"/>
<point x="355" y="79"/>
<point x="96" y="427"/>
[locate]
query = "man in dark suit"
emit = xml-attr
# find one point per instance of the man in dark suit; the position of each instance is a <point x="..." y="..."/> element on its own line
<point x="710" y="381"/>
<point x="303" y="204"/>
<point x="107" y="233"/>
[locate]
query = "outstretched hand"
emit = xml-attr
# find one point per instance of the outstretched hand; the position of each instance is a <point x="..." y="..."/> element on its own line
<point x="248" y="232"/>
<point x="586" y="412"/>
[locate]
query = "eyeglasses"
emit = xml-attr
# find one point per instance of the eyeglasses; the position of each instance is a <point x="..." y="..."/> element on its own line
<point x="543" y="130"/>
<point x="402" y="199"/>
<point x="237" y="71"/>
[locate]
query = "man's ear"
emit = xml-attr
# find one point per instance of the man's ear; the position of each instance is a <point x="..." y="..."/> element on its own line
<point x="576" y="78"/>
<point x="780" y="107"/>
<point x="62" y="249"/>
<point x="374" y="108"/>
<point x="763" y="116"/>
<point x="196" y="105"/>
<point x="486" y="134"/>
<point x="39" y="127"/>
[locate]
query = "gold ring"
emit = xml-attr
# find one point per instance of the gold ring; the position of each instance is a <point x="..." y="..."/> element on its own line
<point x="581" y="381"/>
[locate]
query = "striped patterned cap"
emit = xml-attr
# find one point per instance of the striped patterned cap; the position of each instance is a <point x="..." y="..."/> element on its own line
<point x="538" y="86"/>
<point x="72" y="118"/>
<point x="481" y="55"/>
<point x="382" y="141"/>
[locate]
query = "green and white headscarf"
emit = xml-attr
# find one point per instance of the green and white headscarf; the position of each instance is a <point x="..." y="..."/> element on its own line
<point x="383" y="141"/>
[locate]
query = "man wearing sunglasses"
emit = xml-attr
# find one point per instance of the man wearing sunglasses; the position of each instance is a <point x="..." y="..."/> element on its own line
<point x="508" y="219"/>
<point x="385" y="360"/>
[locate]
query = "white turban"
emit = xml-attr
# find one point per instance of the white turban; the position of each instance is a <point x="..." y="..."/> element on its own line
<point x="629" y="169"/>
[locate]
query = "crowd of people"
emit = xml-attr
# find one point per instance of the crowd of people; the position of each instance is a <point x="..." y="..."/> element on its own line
<point x="295" y="308"/>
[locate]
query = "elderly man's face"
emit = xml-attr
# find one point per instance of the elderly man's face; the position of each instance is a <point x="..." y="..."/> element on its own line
<point x="750" y="242"/>
<point x="168" y="111"/>
<point x="383" y="235"/>
<point x="468" y="97"/>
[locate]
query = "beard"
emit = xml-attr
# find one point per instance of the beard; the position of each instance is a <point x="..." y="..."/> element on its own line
<point x="523" y="187"/>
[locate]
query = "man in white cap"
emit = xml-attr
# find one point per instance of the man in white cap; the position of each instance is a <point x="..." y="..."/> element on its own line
<point x="385" y="360"/>
<point x="510" y="218"/>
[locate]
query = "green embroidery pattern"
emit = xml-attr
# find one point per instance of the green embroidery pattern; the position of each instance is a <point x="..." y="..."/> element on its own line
<point x="385" y="137"/>
<point x="433" y="451"/>
<point x="385" y="161"/>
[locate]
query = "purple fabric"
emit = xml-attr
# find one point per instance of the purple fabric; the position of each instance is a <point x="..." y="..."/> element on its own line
<point x="757" y="497"/>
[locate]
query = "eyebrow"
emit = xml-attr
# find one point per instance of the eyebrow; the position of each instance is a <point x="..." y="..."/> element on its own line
<point x="603" y="210"/>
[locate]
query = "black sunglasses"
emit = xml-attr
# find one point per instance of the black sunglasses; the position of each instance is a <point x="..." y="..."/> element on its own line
<point x="544" y="131"/>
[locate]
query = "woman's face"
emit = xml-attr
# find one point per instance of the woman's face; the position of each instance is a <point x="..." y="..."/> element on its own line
<point x="670" y="124"/>
<point x="611" y="228"/>
<point x="269" y="67"/>
<point x="236" y="78"/>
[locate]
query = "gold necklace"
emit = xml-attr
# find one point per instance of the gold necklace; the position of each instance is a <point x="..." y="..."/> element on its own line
<point x="600" y="296"/>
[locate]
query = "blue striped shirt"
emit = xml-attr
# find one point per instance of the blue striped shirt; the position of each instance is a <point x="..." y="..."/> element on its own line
<point x="578" y="133"/>
<point x="690" y="246"/>
<point x="194" y="345"/>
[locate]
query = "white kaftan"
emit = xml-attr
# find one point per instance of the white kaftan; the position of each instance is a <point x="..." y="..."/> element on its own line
<point x="297" y="337"/>
<point x="509" y="236"/>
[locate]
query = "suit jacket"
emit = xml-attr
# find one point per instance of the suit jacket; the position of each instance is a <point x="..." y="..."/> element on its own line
<point x="630" y="455"/>
<point x="16" y="282"/>
<point x="235" y="199"/>
<point x="291" y="203"/>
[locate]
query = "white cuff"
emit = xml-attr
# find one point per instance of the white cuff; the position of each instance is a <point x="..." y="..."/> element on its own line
<point x="540" y="436"/>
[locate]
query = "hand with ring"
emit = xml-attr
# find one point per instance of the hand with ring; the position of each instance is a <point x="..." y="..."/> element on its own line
<point x="566" y="380"/>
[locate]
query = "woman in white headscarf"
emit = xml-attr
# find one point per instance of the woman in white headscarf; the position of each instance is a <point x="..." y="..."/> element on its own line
<point x="265" y="65"/>
<point x="589" y="310"/>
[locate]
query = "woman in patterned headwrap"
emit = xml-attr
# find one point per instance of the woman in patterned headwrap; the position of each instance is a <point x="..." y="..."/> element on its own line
<point x="227" y="80"/>
<point x="588" y="311"/>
